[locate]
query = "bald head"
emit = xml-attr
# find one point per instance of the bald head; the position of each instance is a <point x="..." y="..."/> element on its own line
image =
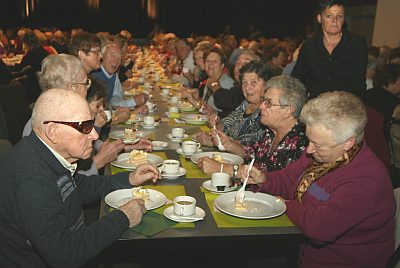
<point x="59" y="105"/>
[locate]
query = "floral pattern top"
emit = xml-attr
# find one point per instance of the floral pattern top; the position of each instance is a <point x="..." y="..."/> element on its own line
<point x="288" y="150"/>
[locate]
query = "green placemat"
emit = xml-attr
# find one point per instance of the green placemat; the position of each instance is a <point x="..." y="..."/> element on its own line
<point x="192" y="170"/>
<point x="115" y="170"/>
<point x="225" y="220"/>
<point x="152" y="224"/>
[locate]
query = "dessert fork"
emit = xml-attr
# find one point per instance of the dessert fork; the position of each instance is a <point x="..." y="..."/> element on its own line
<point x="241" y="192"/>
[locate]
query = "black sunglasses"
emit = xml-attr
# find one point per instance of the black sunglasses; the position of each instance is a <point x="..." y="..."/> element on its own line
<point x="84" y="127"/>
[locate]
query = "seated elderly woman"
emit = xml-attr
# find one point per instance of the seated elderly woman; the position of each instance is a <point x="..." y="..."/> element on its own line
<point x="284" y="139"/>
<point x="338" y="193"/>
<point x="243" y="124"/>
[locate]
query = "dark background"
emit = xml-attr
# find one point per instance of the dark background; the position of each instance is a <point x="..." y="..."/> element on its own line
<point x="273" y="18"/>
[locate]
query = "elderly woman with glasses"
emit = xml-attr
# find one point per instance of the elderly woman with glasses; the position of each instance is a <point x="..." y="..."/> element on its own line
<point x="284" y="139"/>
<point x="86" y="47"/>
<point x="338" y="193"/>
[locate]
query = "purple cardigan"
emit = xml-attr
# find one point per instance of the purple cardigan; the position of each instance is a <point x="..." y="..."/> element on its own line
<point x="348" y="214"/>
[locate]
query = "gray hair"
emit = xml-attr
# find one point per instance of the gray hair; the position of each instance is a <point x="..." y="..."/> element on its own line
<point x="340" y="112"/>
<point x="293" y="92"/>
<point x="60" y="71"/>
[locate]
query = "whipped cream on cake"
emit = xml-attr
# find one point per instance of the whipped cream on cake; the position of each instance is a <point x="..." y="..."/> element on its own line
<point x="141" y="193"/>
<point x="129" y="133"/>
<point x="138" y="157"/>
<point x="217" y="157"/>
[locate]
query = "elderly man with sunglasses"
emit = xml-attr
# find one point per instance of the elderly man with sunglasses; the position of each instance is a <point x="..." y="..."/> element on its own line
<point x="41" y="217"/>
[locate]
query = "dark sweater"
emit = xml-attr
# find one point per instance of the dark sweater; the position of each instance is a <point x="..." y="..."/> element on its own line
<point x="41" y="218"/>
<point x="228" y="99"/>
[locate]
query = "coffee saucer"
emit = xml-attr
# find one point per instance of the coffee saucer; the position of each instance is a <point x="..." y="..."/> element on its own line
<point x="207" y="185"/>
<point x="169" y="136"/>
<point x="143" y="125"/>
<point x="197" y="216"/>
<point x="180" y="151"/>
<point x="159" y="145"/>
<point x="182" y="172"/>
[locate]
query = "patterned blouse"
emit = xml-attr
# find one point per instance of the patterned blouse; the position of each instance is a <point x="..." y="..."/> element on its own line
<point x="246" y="129"/>
<point x="288" y="150"/>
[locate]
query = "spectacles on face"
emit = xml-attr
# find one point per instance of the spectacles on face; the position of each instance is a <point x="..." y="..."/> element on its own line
<point x="84" y="127"/>
<point x="331" y="17"/>
<point x="87" y="83"/>
<point x="268" y="103"/>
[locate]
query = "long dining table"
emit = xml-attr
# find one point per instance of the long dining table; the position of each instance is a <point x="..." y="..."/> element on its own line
<point x="219" y="239"/>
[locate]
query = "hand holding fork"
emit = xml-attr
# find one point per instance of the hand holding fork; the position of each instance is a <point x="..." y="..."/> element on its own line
<point x="241" y="192"/>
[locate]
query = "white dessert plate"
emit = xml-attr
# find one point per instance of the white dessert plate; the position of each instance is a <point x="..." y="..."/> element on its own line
<point x="228" y="158"/>
<point x="207" y="185"/>
<point x="120" y="134"/>
<point x="123" y="161"/>
<point x="118" y="198"/>
<point x="195" y="119"/>
<point x="159" y="145"/>
<point x="197" y="216"/>
<point x="258" y="205"/>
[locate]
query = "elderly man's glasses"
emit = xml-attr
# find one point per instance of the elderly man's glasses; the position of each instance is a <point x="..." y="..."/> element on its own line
<point x="87" y="83"/>
<point x="268" y="103"/>
<point x="84" y="127"/>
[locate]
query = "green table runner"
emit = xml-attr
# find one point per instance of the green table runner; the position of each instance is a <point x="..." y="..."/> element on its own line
<point x="192" y="170"/>
<point x="225" y="220"/>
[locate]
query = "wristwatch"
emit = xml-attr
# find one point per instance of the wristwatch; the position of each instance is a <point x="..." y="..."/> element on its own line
<point x="235" y="170"/>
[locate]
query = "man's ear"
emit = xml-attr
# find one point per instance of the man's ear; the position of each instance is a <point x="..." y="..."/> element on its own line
<point x="319" y="18"/>
<point x="51" y="132"/>
<point x="349" y="143"/>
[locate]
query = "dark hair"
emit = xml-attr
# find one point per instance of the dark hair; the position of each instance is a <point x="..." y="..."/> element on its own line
<point x="324" y="4"/>
<point x="389" y="74"/>
<point x="262" y="70"/>
<point x="97" y="91"/>
<point x="218" y="51"/>
<point x="84" y="42"/>
<point x="30" y="39"/>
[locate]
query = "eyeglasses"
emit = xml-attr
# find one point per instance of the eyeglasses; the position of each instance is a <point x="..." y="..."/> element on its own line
<point x="87" y="83"/>
<point x="268" y="103"/>
<point x="84" y="127"/>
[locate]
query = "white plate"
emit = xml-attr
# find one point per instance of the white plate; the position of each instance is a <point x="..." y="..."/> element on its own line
<point x="179" y="151"/>
<point x="159" y="145"/>
<point x="259" y="205"/>
<point x="149" y="126"/>
<point x="200" y="213"/>
<point x="119" y="197"/>
<point x="207" y="185"/>
<point x="228" y="158"/>
<point x="120" y="134"/>
<point x="195" y="119"/>
<point x="137" y="119"/>
<point x="169" y="136"/>
<point x="182" y="172"/>
<point x="123" y="161"/>
<point x="186" y="108"/>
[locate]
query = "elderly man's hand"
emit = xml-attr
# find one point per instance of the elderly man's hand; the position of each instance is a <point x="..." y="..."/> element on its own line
<point x="208" y="165"/>
<point x="256" y="175"/>
<point x="142" y="109"/>
<point x="134" y="210"/>
<point x="141" y="99"/>
<point x="108" y="152"/>
<point x="144" y="173"/>
<point x="143" y="144"/>
<point x="204" y="138"/>
<point x="121" y="115"/>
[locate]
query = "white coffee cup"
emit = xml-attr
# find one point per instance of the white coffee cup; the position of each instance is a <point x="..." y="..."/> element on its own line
<point x="184" y="205"/>
<point x="165" y="91"/>
<point x="108" y="115"/>
<point x="149" y="120"/>
<point x="190" y="147"/>
<point x="178" y="132"/>
<point x="141" y="80"/>
<point x="170" y="166"/>
<point x="173" y="109"/>
<point x="174" y="99"/>
<point x="220" y="180"/>
<point x="150" y="105"/>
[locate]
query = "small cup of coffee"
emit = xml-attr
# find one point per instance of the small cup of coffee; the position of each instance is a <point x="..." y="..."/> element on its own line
<point x="177" y="132"/>
<point x="190" y="147"/>
<point x="149" y="120"/>
<point x="184" y="205"/>
<point x="220" y="181"/>
<point x="170" y="167"/>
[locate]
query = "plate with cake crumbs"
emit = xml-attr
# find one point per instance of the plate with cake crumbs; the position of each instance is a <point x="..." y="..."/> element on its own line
<point x="123" y="161"/>
<point x="225" y="158"/>
<point x="127" y="136"/>
<point x="154" y="199"/>
<point x="256" y="206"/>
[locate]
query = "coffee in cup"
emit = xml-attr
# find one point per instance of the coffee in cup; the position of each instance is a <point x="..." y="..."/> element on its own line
<point x="149" y="120"/>
<point x="170" y="166"/>
<point x="220" y="181"/>
<point x="190" y="147"/>
<point x="184" y="205"/>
